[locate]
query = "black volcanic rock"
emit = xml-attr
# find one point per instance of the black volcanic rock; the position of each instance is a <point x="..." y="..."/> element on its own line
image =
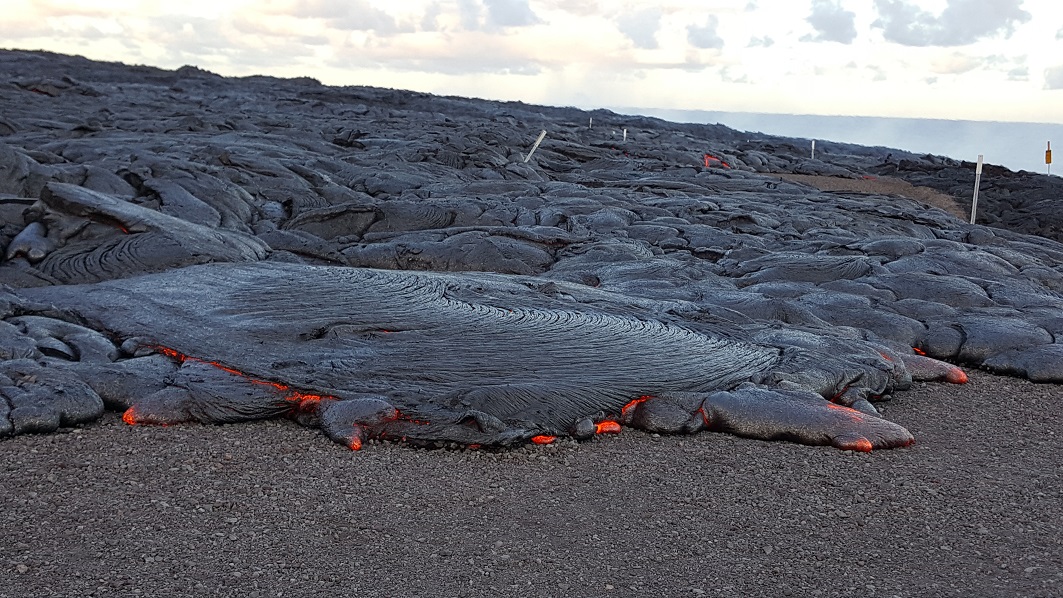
<point x="382" y="263"/>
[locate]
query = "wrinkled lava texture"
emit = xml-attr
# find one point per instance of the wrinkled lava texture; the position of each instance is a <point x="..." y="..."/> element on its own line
<point x="388" y="264"/>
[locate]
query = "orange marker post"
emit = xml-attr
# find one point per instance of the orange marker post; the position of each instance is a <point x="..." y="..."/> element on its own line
<point x="1048" y="157"/>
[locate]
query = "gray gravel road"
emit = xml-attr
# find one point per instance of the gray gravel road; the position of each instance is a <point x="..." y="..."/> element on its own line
<point x="273" y="509"/>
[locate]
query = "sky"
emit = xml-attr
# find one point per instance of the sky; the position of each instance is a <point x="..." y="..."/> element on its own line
<point x="990" y="60"/>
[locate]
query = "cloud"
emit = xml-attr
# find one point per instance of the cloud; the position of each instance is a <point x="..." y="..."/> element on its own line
<point x="510" y="13"/>
<point x="641" y="27"/>
<point x="350" y="15"/>
<point x="472" y="53"/>
<point x="955" y="63"/>
<point x="705" y="36"/>
<point x="23" y="27"/>
<point x="831" y="22"/>
<point x="1020" y="73"/>
<point x="962" y="22"/>
<point x="495" y="15"/>
<point x="582" y="8"/>
<point x="430" y="20"/>
<point x="470" y="13"/>
<point x="761" y="42"/>
<point x="1054" y="77"/>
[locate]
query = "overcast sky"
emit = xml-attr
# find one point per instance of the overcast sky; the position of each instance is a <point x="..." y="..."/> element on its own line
<point x="958" y="59"/>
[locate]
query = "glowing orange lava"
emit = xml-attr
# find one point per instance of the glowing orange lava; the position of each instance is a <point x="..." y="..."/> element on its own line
<point x="862" y="445"/>
<point x="171" y="353"/>
<point x="956" y="376"/>
<point x="633" y="403"/>
<point x="355" y="444"/>
<point x="301" y="401"/>
<point x="711" y="160"/>
<point x="607" y="427"/>
<point x="543" y="439"/>
<point x="918" y="351"/>
<point x="849" y="412"/>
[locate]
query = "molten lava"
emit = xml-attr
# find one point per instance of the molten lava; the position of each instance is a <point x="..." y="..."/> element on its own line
<point x="956" y="376"/>
<point x="633" y="403"/>
<point x="303" y="401"/>
<point x="607" y="427"/>
<point x="849" y="412"/>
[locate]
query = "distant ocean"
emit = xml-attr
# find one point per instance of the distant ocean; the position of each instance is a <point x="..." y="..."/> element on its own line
<point x="1018" y="146"/>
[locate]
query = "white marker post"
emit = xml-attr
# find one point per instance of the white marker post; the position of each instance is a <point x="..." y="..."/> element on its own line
<point x="536" y="146"/>
<point x="590" y="123"/>
<point x="977" y="183"/>
<point x="625" y="134"/>
<point x="813" y="149"/>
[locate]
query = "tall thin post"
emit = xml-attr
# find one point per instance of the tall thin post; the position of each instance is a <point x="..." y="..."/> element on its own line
<point x="813" y="149"/>
<point x="977" y="183"/>
<point x="536" y="146"/>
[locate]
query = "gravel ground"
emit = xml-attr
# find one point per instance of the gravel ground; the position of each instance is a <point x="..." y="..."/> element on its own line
<point x="273" y="509"/>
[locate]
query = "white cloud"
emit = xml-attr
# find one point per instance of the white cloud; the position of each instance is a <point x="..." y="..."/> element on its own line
<point x="955" y="63"/>
<point x="705" y="36"/>
<point x="832" y="22"/>
<point x="1054" y="77"/>
<point x="962" y="22"/>
<point x="583" y="8"/>
<point x="430" y="19"/>
<point x="641" y="27"/>
<point x="470" y="13"/>
<point x="510" y="13"/>
<point x="492" y="15"/>
<point x="350" y="15"/>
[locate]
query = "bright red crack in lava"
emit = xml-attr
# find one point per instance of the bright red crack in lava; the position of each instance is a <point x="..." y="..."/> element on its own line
<point x="711" y="160"/>
<point x="633" y="403"/>
<point x="849" y="412"/>
<point x="543" y="439"/>
<point x="918" y="351"/>
<point x="302" y="401"/>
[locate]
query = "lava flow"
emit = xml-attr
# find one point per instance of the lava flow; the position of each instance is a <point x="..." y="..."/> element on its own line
<point x="301" y="401"/>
